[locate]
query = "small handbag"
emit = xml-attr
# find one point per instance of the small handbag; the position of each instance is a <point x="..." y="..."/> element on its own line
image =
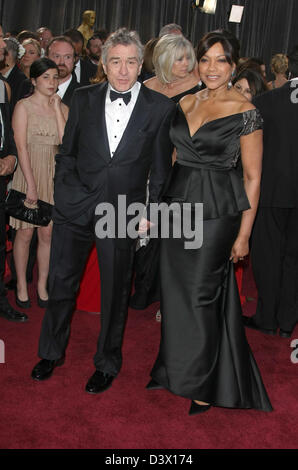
<point x="15" y="206"/>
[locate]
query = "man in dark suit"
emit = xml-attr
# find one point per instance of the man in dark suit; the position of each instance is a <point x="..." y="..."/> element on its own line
<point x="117" y="132"/>
<point x="93" y="49"/>
<point x="274" y="251"/>
<point x="14" y="76"/>
<point x="83" y="68"/>
<point x="61" y="50"/>
<point x="8" y="156"/>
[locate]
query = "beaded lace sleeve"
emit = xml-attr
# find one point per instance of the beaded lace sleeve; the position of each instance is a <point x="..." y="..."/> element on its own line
<point x="252" y="121"/>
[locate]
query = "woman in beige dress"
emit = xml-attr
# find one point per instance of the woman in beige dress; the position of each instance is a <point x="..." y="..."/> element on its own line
<point x="38" y="124"/>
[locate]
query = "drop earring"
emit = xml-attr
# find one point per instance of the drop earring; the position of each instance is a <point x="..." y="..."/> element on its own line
<point x="230" y="84"/>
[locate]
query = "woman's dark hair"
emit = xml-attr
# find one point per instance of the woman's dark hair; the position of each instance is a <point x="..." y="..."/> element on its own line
<point x="228" y="41"/>
<point x="255" y="80"/>
<point x="40" y="66"/>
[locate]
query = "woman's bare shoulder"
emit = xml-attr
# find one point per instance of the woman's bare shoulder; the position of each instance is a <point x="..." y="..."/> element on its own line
<point x="246" y="106"/>
<point x="240" y="102"/>
<point x="152" y="83"/>
<point x="189" y="101"/>
<point x="21" y="105"/>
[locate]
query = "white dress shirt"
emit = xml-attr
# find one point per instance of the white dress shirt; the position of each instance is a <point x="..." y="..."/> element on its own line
<point x="118" y="114"/>
<point x="77" y="70"/>
<point x="1" y="131"/>
<point x="2" y="100"/>
<point x="63" y="87"/>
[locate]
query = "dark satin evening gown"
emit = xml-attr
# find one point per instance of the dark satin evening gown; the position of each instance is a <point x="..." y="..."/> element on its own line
<point x="204" y="354"/>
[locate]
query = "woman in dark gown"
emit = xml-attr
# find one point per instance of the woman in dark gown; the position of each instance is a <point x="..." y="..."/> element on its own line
<point x="204" y="354"/>
<point x="176" y="76"/>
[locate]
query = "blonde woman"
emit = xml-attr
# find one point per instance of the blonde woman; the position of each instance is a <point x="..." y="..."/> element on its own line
<point x="32" y="53"/>
<point x="279" y="67"/>
<point x="174" y="63"/>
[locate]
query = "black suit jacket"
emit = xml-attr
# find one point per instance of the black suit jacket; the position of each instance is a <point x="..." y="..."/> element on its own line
<point x="279" y="185"/>
<point x="73" y="85"/>
<point x="16" y="81"/>
<point x="9" y="146"/>
<point x="88" y="71"/>
<point x="86" y="174"/>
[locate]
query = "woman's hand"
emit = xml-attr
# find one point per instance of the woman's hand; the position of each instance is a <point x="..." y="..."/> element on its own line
<point x="31" y="195"/>
<point x="239" y="249"/>
<point x="55" y="102"/>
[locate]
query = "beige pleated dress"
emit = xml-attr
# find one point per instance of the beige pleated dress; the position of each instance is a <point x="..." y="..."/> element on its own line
<point x="42" y="144"/>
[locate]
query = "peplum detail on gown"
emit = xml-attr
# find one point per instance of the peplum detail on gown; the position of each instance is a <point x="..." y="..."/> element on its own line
<point x="199" y="175"/>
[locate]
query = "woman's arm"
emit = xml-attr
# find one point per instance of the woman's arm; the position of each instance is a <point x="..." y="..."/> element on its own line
<point x="61" y="112"/>
<point x="19" y="124"/>
<point x="251" y="156"/>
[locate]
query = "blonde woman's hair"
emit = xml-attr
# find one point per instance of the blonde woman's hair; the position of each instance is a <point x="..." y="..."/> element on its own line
<point x="34" y="43"/>
<point x="100" y="76"/>
<point x="168" y="49"/>
<point x="279" y="63"/>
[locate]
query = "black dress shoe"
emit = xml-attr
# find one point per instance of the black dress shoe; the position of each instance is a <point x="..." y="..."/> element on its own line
<point x="138" y="301"/>
<point x="44" y="368"/>
<point x="40" y="302"/>
<point x="285" y="334"/>
<point x="195" y="408"/>
<point x="141" y="299"/>
<point x="152" y="385"/>
<point x="6" y="311"/>
<point x="99" y="382"/>
<point x="22" y="303"/>
<point x="250" y="323"/>
<point x="11" y="285"/>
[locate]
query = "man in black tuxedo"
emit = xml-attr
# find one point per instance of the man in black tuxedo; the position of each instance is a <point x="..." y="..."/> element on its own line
<point x="61" y="50"/>
<point x="117" y="132"/>
<point x="8" y="156"/>
<point x="274" y="251"/>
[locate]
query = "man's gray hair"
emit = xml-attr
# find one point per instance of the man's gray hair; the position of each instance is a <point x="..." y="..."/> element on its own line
<point x="171" y="28"/>
<point x="122" y="37"/>
<point x="12" y="45"/>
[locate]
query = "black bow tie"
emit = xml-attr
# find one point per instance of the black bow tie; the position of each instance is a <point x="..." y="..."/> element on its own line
<point x="114" y="95"/>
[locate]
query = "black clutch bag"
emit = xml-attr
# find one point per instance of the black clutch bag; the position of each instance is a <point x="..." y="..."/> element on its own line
<point x="15" y="206"/>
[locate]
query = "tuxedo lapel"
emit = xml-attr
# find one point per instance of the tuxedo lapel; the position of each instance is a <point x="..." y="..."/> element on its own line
<point x="97" y="102"/>
<point x="138" y="118"/>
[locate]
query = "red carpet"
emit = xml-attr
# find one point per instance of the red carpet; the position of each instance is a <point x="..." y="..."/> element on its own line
<point x="59" y="414"/>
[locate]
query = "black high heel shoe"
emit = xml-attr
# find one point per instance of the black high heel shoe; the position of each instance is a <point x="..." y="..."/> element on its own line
<point x="40" y="302"/>
<point x="195" y="408"/>
<point x="21" y="303"/>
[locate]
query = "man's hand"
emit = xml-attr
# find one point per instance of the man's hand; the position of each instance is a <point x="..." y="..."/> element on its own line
<point x="144" y="226"/>
<point x="7" y="165"/>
